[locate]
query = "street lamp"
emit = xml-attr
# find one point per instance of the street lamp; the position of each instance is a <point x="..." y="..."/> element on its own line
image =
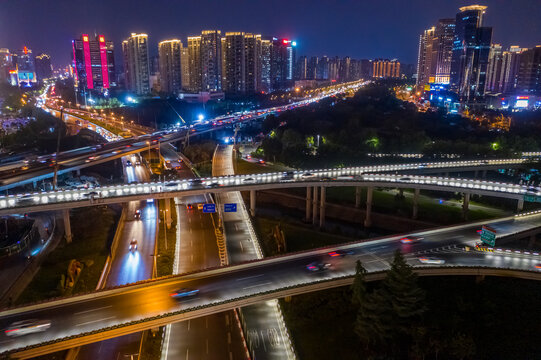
<point x="164" y="224"/>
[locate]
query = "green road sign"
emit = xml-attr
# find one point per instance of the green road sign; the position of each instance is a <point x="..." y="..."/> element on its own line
<point x="532" y="198"/>
<point x="488" y="236"/>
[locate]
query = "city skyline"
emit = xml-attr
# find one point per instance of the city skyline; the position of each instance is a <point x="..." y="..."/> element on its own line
<point x="317" y="32"/>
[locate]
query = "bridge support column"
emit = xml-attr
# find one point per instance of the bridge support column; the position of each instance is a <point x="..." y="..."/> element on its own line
<point x="78" y="171"/>
<point x="67" y="225"/>
<point x="308" y="203"/>
<point x="168" y="212"/>
<point x="322" y="207"/>
<point x="252" y="202"/>
<point x="400" y="193"/>
<point x="520" y="205"/>
<point x="531" y="243"/>
<point x="465" y="206"/>
<point x="368" y="218"/>
<point x="415" y="203"/>
<point x="357" y="196"/>
<point x="446" y="174"/>
<point x="475" y="174"/>
<point x="484" y="174"/>
<point x="35" y="184"/>
<point x="314" y="206"/>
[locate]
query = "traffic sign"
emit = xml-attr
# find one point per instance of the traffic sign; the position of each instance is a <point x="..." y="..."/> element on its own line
<point x="209" y="208"/>
<point x="230" y="207"/>
<point x="488" y="235"/>
<point x="532" y="198"/>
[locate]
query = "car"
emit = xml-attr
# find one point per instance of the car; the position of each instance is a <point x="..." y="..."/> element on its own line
<point x="128" y="163"/>
<point x="249" y="181"/>
<point x="137" y="214"/>
<point x="137" y="163"/>
<point x="325" y="178"/>
<point x="172" y="184"/>
<point x="189" y="206"/>
<point x="537" y="266"/>
<point x="345" y="177"/>
<point x="184" y="293"/>
<point x="341" y="253"/>
<point x="317" y="266"/>
<point x="199" y="206"/>
<point x="307" y="175"/>
<point x="196" y="182"/>
<point x="411" y="239"/>
<point x="405" y="179"/>
<point x="532" y="189"/>
<point x="214" y="185"/>
<point x="431" y="260"/>
<point x="25" y="327"/>
<point x="261" y="161"/>
<point x="133" y="245"/>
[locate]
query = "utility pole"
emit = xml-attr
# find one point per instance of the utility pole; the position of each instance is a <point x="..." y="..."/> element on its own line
<point x="55" y="178"/>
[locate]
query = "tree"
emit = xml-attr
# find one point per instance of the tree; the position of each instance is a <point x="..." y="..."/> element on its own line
<point x="358" y="287"/>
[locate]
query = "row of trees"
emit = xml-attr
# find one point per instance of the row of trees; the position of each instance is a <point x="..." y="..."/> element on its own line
<point x="339" y="131"/>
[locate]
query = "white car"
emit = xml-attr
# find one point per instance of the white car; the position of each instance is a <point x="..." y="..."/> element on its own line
<point x="431" y="261"/>
<point x="20" y="328"/>
<point x="249" y="181"/>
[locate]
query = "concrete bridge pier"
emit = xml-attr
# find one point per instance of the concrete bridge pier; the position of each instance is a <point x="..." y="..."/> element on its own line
<point x="314" y="207"/>
<point x="475" y="174"/>
<point x="531" y="243"/>
<point x="415" y="204"/>
<point x="368" y="218"/>
<point x="484" y="174"/>
<point x="252" y="202"/>
<point x="308" y="203"/>
<point x="67" y="225"/>
<point x="465" y="206"/>
<point x="322" y="207"/>
<point x="520" y="205"/>
<point x="357" y="196"/>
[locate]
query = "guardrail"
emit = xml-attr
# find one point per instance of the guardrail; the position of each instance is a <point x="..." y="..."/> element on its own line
<point x="222" y="305"/>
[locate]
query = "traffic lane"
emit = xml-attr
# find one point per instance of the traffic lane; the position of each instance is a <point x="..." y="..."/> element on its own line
<point x="155" y="300"/>
<point x="130" y="266"/>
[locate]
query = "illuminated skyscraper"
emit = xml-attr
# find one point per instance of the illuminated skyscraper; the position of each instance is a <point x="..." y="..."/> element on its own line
<point x="445" y="33"/>
<point x="282" y="63"/>
<point x="235" y="62"/>
<point x="529" y="72"/>
<point x="94" y="63"/>
<point x="185" y="68"/>
<point x="211" y="60"/>
<point x="170" y="66"/>
<point x="26" y="70"/>
<point x="266" y="65"/>
<point x="494" y="83"/>
<point x="510" y="66"/>
<point x="471" y="48"/>
<point x="426" y="61"/>
<point x="194" y="53"/>
<point x="252" y="62"/>
<point x="136" y="63"/>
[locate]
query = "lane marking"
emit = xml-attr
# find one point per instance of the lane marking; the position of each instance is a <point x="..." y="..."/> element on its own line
<point x="93" y="321"/>
<point x="253" y="286"/>
<point x="250" y="277"/>
<point x="96" y="309"/>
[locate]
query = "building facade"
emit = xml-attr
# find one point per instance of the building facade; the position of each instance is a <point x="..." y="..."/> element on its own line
<point x="211" y="60"/>
<point x="385" y="69"/>
<point x="44" y="69"/>
<point x="136" y="63"/>
<point x="93" y="64"/>
<point x="170" y="69"/>
<point x="194" y="63"/>
<point x="529" y="72"/>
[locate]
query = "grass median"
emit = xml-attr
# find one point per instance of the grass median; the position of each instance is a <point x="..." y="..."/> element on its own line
<point x="90" y="246"/>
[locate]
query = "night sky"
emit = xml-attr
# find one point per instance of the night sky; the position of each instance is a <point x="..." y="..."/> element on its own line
<point x="358" y="28"/>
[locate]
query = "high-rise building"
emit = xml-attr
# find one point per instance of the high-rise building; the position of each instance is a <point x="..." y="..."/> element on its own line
<point x="529" y="72"/>
<point x="266" y="65"/>
<point x="6" y="65"/>
<point x="25" y="67"/>
<point x="334" y="64"/>
<point x="385" y="68"/>
<point x="252" y="53"/>
<point x="282" y="63"/>
<point x="322" y="72"/>
<point x="426" y="60"/>
<point x="344" y="69"/>
<point x="301" y="68"/>
<point x="94" y="64"/>
<point x="235" y="62"/>
<point x="444" y="37"/>
<point x="471" y="49"/>
<point x="194" y="53"/>
<point x="366" y="69"/>
<point x="211" y="60"/>
<point x="311" y="68"/>
<point x="510" y="66"/>
<point x="136" y="63"/>
<point x="185" y="68"/>
<point x="44" y="69"/>
<point x="170" y="66"/>
<point x="154" y="65"/>
<point x="494" y="71"/>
